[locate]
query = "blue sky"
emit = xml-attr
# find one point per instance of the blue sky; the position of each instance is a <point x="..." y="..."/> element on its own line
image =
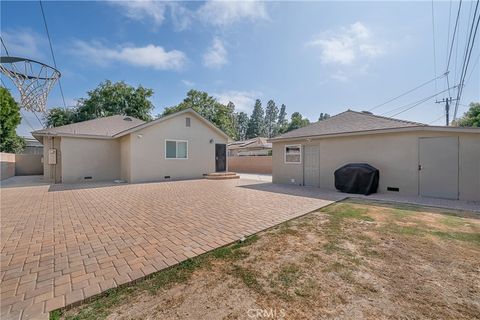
<point x="313" y="56"/>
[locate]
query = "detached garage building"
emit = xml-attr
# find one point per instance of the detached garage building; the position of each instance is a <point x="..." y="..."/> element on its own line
<point x="413" y="158"/>
<point x="183" y="145"/>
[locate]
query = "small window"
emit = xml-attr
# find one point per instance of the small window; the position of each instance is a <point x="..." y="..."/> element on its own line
<point x="187" y="121"/>
<point x="293" y="154"/>
<point x="176" y="149"/>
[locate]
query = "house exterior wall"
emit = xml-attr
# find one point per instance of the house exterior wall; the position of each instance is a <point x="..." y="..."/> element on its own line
<point x="28" y="164"/>
<point x="125" y="156"/>
<point x="96" y="158"/>
<point x="147" y="147"/>
<point x="52" y="173"/>
<point x="394" y="154"/>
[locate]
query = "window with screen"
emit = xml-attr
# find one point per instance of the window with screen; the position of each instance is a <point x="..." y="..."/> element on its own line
<point x="176" y="149"/>
<point x="293" y="153"/>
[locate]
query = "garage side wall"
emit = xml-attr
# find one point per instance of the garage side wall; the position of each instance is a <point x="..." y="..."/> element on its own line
<point x="95" y="158"/>
<point x="469" y="167"/>
<point x="125" y="156"/>
<point x="148" y="161"/>
<point x="394" y="154"/>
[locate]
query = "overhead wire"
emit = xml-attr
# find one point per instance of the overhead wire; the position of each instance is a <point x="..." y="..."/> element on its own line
<point x="41" y="123"/>
<point x="51" y="51"/>
<point x="434" y="47"/>
<point x="407" y="92"/>
<point x="466" y="61"/>
<point x="412" y="105"/>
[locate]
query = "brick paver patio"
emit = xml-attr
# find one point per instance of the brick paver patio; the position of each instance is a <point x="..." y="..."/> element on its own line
<point x="61" y="244"/>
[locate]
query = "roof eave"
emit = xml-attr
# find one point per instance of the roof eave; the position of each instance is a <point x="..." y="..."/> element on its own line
<point x="378" y="131"/>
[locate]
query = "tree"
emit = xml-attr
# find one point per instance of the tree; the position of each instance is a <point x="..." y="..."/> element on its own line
<point x="57" y="117"/>
<point x="107" y="99"/>
<point x="241" y="124"/>
<point x="471" y="118"/>
<point x="10" y="119"/>
<point x="116" y="98"/>
<point x="297" y="121"/>
<point x="282" y="119"/>
<point x="323" y="116"/>
<point x="256" y="126"/>
<point x="209" y="108"/>
<point x="271" y="116"/>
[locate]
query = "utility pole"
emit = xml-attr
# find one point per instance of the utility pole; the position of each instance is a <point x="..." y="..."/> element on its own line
<point x="447" y="102"/>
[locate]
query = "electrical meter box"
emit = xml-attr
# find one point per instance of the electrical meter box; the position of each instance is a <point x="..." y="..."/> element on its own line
<point x="52" y="156"/>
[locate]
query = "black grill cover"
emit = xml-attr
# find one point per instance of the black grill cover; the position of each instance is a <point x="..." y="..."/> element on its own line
<point x="358" y="178"/>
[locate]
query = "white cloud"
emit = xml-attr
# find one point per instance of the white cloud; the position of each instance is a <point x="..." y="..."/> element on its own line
<point x="141" y="10"/>
<point x="243" y="100"/>
<point x="188" y="83"/>
<point x="347" y="45"/>
<point x="24" y="42"/>
<point x="181" y="16"/>
<point x="223" y="13"/>
<point x="216" y="55"/>
<point x="149" y="56"/>
<point x="213" y="12"/>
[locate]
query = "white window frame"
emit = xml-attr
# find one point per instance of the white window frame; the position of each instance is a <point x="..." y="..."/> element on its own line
<point x="176" y="149"/>
<point x="285" y="153"/>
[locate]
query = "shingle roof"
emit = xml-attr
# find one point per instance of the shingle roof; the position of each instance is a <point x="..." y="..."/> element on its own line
<point x="103" y="127"/>
<point x="348" y="122"/>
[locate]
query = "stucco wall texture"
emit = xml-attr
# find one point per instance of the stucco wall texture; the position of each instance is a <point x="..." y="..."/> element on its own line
<point x="396" y="155"/>
<point x="135" y="157"/>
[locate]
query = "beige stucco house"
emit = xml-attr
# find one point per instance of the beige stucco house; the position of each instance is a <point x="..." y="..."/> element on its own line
<point x="183" y="145"/>
<point x="413" y="158"/>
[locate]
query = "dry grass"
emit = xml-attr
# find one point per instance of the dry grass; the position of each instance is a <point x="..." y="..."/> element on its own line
<point x="349" y="260"/>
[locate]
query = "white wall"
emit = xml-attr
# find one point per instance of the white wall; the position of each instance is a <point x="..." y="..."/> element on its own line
<point x="147" y="147"/>
<point x="96" y="158"/>
<point x="394" y="154"/>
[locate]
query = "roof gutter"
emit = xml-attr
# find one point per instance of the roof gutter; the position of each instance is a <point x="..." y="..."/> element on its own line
<point x="379" y="131"/>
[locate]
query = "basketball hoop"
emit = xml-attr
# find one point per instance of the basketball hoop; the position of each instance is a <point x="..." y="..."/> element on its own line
<point x="33" y="79"/>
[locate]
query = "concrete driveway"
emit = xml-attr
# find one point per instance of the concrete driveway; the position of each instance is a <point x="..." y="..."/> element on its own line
<point x="64" y="243"/>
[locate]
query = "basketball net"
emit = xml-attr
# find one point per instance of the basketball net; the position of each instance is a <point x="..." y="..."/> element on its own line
<point x="33" y="79"/>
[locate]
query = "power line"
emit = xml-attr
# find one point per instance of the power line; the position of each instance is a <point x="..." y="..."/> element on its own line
<point x="407" y="92"/>
<point x="412" y="105"/>
<point x="439" y="118"/>
<point x="453" y="36"/>
<point x="51" y="51"/>
<point x="466" y="60"/>
<point x="473" y="69"/>
<point x="26" y="120"/>
<point x="434" y="47"/>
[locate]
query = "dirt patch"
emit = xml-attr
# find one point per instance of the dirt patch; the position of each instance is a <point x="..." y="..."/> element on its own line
<point x="349" y="260"/>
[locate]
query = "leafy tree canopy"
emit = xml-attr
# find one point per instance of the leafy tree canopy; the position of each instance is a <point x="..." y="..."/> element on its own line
<point x="106" y="100"/>
<point x="10" y="119"/>
<point x="209" y="108"/>
<point x="297" y="121"/>
<point x="472" y="117"/>
<point x="323" y="116"/>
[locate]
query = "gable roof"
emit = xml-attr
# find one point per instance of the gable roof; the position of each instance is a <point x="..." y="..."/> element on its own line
<point x="113" y="126"/>
<point x="348" y="122"/>
<point x="105" y="127"/>
<point x="156" y="121"/>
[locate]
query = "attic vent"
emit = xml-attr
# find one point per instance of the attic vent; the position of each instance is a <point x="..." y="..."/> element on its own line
<point x="367" y="112"/>
<point x="127" y="119"/>
<point x="187" y="121"/>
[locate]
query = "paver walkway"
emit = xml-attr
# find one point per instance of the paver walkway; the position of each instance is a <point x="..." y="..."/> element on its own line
<point x="61" y="244"/>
